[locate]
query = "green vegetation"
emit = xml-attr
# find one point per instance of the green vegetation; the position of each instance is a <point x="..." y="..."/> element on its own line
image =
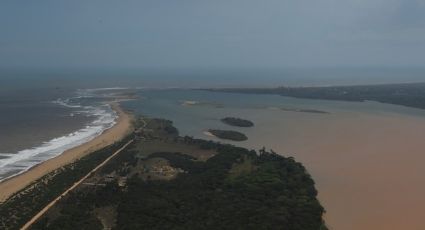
<point x="304" y="110"/>
<point x="18" y="209"/>
<point x="237" y="122"/>
<point x="278" y="193"/>
<point x="233" y="189"/>
<point x="242" y="168"/>
<point x="197" y="184"/>
<point x="411" y="94"/>
<point x="275" y="191"/>
<point x="228" y="135"/>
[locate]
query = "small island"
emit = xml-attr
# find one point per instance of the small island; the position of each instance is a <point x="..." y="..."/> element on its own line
<point x="228" y="135"/>
<point x="304" y="110"/>
<point x="233" y="121"/>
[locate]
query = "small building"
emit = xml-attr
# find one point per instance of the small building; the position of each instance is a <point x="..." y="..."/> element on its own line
<point x="122" y="181"/>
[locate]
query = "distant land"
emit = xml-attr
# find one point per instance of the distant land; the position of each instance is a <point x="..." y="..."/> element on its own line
<point x="238" y="122"/>
<point x="304" y="110"/>
<point x="408" y="94"/>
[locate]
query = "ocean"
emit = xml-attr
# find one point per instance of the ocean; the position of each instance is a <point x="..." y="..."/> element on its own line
<point x="43" y="113"/>
<point x="38" y="124"/>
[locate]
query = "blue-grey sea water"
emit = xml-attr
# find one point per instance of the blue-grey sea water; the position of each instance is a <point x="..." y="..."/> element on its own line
<point x="41" y="123"/>
<point x="195" y="111"/>
<point x="44" y="112"/>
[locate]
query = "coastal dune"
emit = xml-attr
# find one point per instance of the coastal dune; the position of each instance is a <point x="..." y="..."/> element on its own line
<point x="122" y="127"/>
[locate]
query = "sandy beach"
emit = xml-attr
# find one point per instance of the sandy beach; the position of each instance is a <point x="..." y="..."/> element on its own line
<point x="122" y="127"/>
<point x="208" y="133"/>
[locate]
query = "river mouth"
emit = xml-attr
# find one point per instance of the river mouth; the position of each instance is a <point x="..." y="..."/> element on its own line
<point x="365" y="157"/>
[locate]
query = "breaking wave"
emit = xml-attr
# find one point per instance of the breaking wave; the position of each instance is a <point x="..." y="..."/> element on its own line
<point x="12" y="164"/>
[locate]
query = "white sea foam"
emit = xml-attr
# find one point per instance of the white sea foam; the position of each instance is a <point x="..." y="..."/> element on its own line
<point x="12" y="164"/>
<point x="106" y="89"/>
<point x="65" y="102"/>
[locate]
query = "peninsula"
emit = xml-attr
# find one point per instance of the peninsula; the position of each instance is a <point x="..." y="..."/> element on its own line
<point x="155" y="174"/>
<point x="407" y="94"/>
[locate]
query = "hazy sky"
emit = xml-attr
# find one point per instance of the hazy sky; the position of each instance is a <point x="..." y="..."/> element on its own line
<point x="218" y="33"/>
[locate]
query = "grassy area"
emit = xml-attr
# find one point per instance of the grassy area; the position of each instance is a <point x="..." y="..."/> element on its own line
<point x="147" y="147"/>
<point x="163" y="181"/>
<point x="177" y="182"/>
<point x="18" y="209"/>
<point x="245" y="167"/>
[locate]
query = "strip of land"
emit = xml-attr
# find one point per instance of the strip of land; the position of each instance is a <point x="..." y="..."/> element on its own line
<point x="122" y="127"/>
<point x="407" y="94"/>
<point x="51" y="204"/>
<point x="161" y="167"/>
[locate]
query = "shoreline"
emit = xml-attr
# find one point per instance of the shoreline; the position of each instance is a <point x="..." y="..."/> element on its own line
<point x="122" y="127"/>
<point x="208" y="133"/>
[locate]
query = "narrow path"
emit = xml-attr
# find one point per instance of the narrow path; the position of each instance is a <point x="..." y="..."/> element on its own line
<point x="47" y="207"/>
<point x="144" y="123"/>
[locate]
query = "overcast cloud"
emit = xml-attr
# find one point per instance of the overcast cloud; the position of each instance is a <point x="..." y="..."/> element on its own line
<point x="219" y="33"/>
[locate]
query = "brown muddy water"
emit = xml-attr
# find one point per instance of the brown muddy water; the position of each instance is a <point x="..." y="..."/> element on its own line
<point x="366" y="158"/>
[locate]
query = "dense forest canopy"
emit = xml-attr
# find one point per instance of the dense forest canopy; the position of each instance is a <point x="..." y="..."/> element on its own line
<point x="228" y="134"/>
<point x="234" y="121"/>
<point x="234" y="189"/>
